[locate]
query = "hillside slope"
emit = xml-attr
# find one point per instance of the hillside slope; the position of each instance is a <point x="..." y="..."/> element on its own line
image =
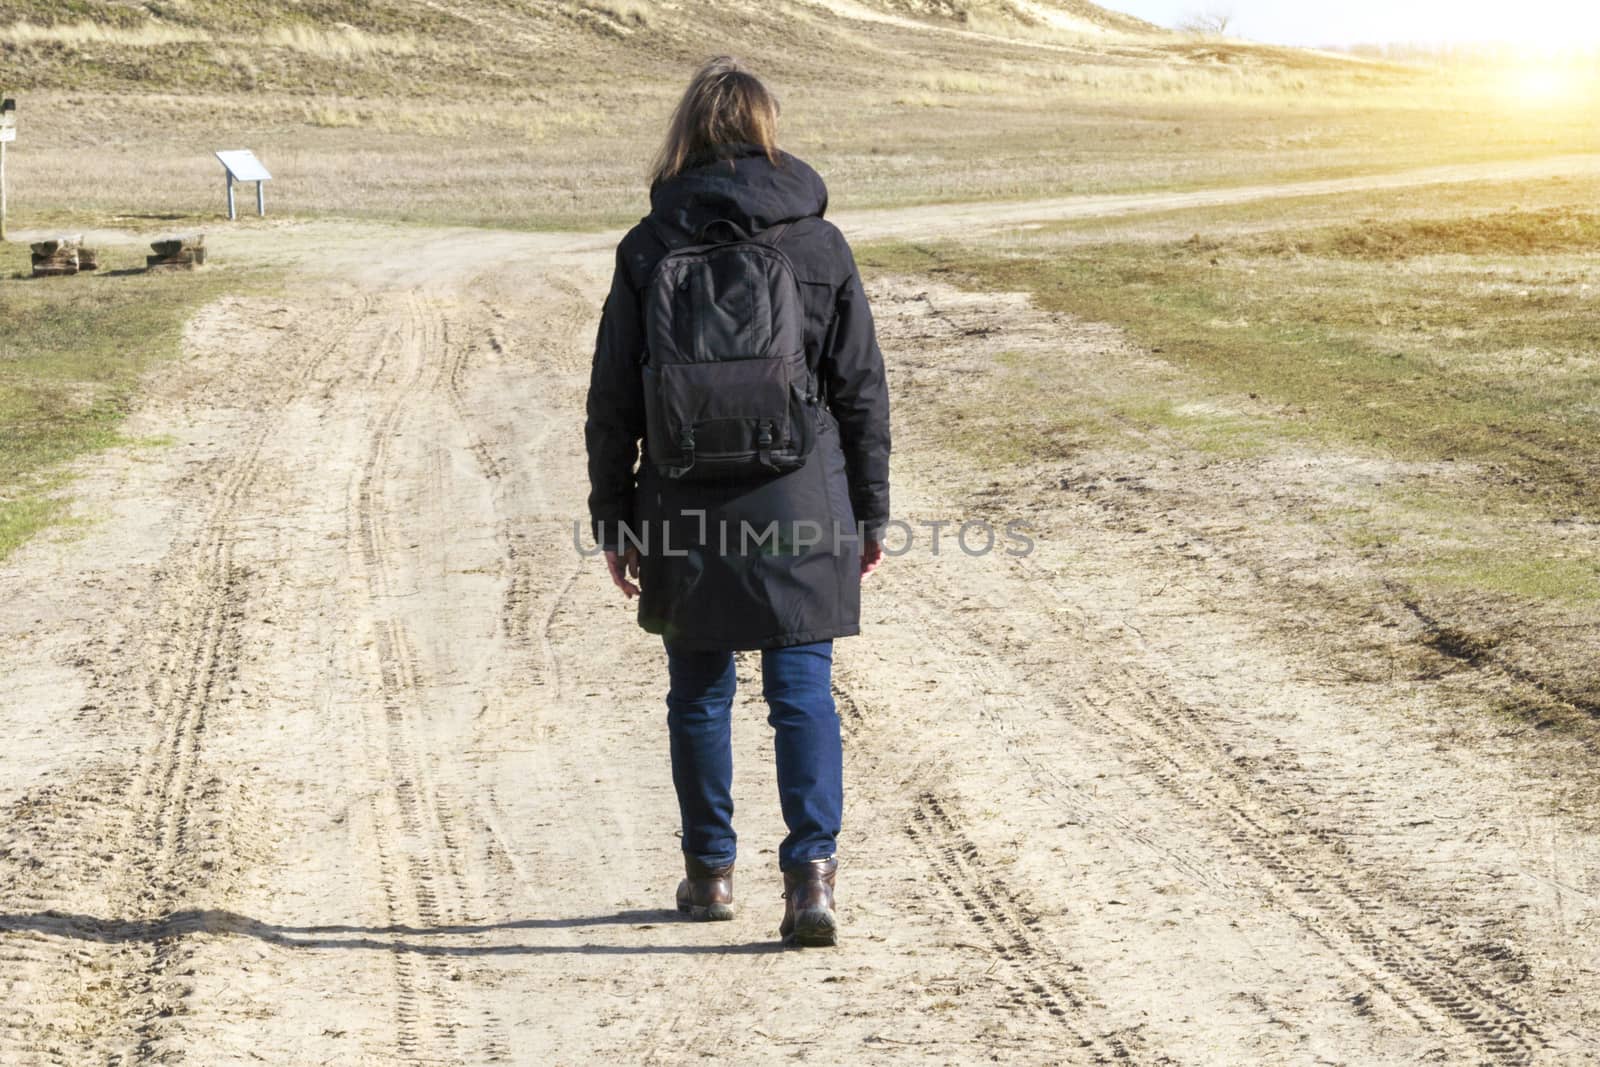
<point x="221" y="17"/>
<point x="1075" y="16"/>
<point x="483" y="46"/>
<point x="544" y="112"/>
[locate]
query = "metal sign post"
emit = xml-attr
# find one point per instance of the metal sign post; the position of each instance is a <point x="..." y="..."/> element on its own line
<point x="242" y="165"/>
<point x="8" y="133"/>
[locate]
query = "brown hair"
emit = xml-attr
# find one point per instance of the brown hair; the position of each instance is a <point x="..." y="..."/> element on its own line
<point x="724" y="104"/>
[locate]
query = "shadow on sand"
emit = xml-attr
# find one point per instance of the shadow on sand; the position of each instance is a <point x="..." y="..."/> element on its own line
<point x="375" y="938"/>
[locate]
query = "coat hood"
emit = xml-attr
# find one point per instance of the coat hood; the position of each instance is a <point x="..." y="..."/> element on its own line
<point x="742" y="186"/>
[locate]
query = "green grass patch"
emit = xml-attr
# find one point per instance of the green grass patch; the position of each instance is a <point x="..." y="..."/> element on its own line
<point x="1281" y="218"/>
<point x="1570" y="580"/>
<point x="71" y="354"/>
<point x="1443" y="540"/>
<point x="1013" y="420"/>
<point x="1504" y="233"/>
<point x="1204" y="427"/>
<point x="1370" y="329"/>
<point x="1484" y="358"/>
<point x="25" y="516"/>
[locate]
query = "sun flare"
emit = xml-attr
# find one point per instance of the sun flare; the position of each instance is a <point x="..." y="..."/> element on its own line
<point x="1536" y="86"/>
<point x="1550" y="81"/>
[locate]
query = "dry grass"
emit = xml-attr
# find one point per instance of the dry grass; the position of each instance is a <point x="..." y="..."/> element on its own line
<point x="477" y="113"/>
<point x="574" y="155"/>
<point x="341" y="43"/>
<point x="1024" y="19"/>
<point x="624" y="12"/>
<point x="336" y="43"/>
<point x="1516" y="232"/>
<point x="1036" y="84"/>
<point x="958" y="82"/>
<point x="86" y="34"/>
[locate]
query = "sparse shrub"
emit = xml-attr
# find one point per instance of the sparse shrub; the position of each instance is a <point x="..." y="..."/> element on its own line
<point x="962" y="82"/>
<point x="330" y="116"/>
<point x="340" y="42"/>
<point x="1213" y="22"/>
<point x="624" y="13"/>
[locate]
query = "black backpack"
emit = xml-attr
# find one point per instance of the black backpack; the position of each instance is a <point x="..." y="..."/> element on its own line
<point x="728" y="396"/>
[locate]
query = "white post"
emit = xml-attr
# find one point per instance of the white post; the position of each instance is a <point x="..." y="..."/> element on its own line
<point x="232" y="214"/>
<point x="261" y="199"/>
<point x="8" y="132"/>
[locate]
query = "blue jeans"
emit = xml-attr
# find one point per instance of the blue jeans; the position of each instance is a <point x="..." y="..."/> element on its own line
<point x="797" y="684"/>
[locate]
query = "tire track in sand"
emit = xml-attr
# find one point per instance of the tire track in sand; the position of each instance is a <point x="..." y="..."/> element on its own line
<point x="526" y="557"/>
<point x="429" y="887"/>
<point x="1387" y="943"/>
<point x="1399" y="946"/>
<point x="205" y="604"/>
<point x="1041" y="978"/>
<point x="164" y="856"/>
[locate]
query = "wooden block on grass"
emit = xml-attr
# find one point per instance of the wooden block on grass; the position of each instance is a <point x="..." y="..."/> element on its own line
<point x="55" y="264"/>
<point x="185" y="252"/>
<point x="171" y="246"/>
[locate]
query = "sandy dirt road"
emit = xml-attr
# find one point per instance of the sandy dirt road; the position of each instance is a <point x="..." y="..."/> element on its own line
<point x="324" y="745"/>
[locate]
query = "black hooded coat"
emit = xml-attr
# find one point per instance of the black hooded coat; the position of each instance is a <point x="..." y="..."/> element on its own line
<point x="709" y="579"/>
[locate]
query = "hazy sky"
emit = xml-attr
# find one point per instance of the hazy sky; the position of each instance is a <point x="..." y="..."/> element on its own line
<point x="1526" y="22"/>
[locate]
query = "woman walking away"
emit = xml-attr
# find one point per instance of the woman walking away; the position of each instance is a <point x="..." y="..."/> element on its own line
<point x="738" y="436"/>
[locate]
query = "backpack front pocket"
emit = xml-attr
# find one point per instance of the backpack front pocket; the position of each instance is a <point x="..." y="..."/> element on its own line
<point x="726" y="417"/>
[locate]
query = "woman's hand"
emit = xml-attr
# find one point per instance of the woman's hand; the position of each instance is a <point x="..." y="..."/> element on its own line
<point x="622" y="568"/>
<point x="871" y="556"/>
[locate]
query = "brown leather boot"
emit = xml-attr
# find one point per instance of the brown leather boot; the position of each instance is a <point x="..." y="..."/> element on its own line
<point x="808" y="917"/>
<point x="707" y="894"/>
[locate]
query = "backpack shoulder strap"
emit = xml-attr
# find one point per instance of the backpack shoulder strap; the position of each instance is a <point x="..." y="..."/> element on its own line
<point x="773" y="234"/>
